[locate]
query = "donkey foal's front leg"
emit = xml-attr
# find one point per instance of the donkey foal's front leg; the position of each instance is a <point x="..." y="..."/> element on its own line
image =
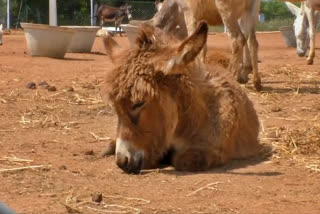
<point x="109" y="150"/>
<point x="191" y="160"/>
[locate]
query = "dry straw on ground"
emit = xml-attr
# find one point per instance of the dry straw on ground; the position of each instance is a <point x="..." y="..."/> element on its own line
<point x="109" y="204"/>
<point x="301" y="145"/>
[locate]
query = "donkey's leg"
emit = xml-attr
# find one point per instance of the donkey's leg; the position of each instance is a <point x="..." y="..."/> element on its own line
<point x="253" y="47"/>
<point x="115" y="28"/>
<point x="238" y="39"/>
<point x="101" y="21"/>
<point x="247" y="65"/>
<point x="248" y="22"/>
<point x="238" y="42"/>
<point x="192" y="160"/>
<point x="191" y="24"/>
<point x="310" y="14"/>
<point x="119" y="23"/>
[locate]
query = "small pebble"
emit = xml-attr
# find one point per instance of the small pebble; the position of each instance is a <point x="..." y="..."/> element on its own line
<point x="90" y="152"/>
<point x="276" y="109"/>
<point x="97" y="197"/>
<point x="272" y="134"/>
<point x="69" y="89"/>
<point x="31" y="85"/>
<point x="63" y="167"/>
<point x="88" y="86"/>
<point x="52" y="88"/>
<point x="44" y="85"/>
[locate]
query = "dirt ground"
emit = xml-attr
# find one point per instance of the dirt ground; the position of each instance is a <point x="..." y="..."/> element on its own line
<point x="58" y="136"/>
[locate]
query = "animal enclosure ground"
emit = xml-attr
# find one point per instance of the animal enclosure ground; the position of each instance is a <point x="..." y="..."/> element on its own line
<point x="58" y="136"/>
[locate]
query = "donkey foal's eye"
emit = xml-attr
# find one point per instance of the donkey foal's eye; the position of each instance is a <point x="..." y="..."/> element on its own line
<point x="137" y="105"/>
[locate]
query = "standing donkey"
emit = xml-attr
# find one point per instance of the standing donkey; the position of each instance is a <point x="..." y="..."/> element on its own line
<point x="112" y="14"/>
<point x="304" y="26"/>
<point x="239" y="16"/>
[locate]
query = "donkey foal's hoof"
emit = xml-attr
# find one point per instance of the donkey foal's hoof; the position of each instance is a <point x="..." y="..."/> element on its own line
<point x="109" y="150"/>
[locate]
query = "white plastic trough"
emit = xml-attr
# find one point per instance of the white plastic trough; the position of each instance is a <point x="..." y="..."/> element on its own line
<point x="104" y="31"/>
<point x="111" y="29"/>
<point x="131" y="31"/>
<point x="46" y="40"/>
<point x="83" y="39"/>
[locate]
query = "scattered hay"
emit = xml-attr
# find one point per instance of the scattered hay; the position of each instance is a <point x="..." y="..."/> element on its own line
<point x="313" y="167"/>
<point x="212" y="186"/>
<point x="24" y="168"/>
<point x="109" y="204"/>
<point x="100" y="138"/>
<point x="71" y="209"/>
<point x="303" y="141"/>
<point x="77" y="99"/>
<point x="139" y="200"/>
<point x="15" y="159"/>
<point x="300" y="145"/>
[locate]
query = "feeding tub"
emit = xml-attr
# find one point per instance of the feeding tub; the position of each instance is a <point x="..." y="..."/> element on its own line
<point x="131" y="31"/>
<point x="83" y="39"/>
<point x="46" y="40"/>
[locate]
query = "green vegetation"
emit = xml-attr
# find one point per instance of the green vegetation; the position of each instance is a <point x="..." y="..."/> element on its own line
<point x="274" y="24"/>
<point x="275" y="9"/>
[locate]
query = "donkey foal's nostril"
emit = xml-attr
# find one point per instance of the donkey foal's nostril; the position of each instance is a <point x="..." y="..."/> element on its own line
<point x="126" y="161"/>
<point x="122" y="161"/>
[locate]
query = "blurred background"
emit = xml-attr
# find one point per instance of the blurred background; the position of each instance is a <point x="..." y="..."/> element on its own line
<point x="273" y="13"/>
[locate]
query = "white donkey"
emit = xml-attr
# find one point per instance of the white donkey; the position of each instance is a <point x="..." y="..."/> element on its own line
<point x="304" y="27"/>
<point x="1" y="33"/>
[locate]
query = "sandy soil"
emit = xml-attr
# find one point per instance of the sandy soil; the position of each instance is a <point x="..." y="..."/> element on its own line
<point x="63" y="132"/>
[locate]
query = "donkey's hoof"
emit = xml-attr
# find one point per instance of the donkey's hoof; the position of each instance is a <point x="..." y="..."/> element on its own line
<point x="310" y="61"/>
<point x="257" y="84"/>
<point x="242" y="79"/>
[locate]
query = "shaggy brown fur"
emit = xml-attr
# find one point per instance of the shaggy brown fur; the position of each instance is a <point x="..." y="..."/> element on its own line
<point x="168" y="101"/>
<point x="218" y="58"/>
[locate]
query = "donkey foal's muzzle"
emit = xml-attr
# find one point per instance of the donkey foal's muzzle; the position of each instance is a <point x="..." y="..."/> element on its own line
<point x="130" y="165"/>
<point x="128" y="159"/>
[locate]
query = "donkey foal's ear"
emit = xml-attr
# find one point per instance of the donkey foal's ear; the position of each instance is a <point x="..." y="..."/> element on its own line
<point x="146" y="36"/>
<point x="189" y="48"/>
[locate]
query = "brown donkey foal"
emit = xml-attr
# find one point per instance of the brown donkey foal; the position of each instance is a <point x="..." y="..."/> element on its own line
<point x="168" y="102"/>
